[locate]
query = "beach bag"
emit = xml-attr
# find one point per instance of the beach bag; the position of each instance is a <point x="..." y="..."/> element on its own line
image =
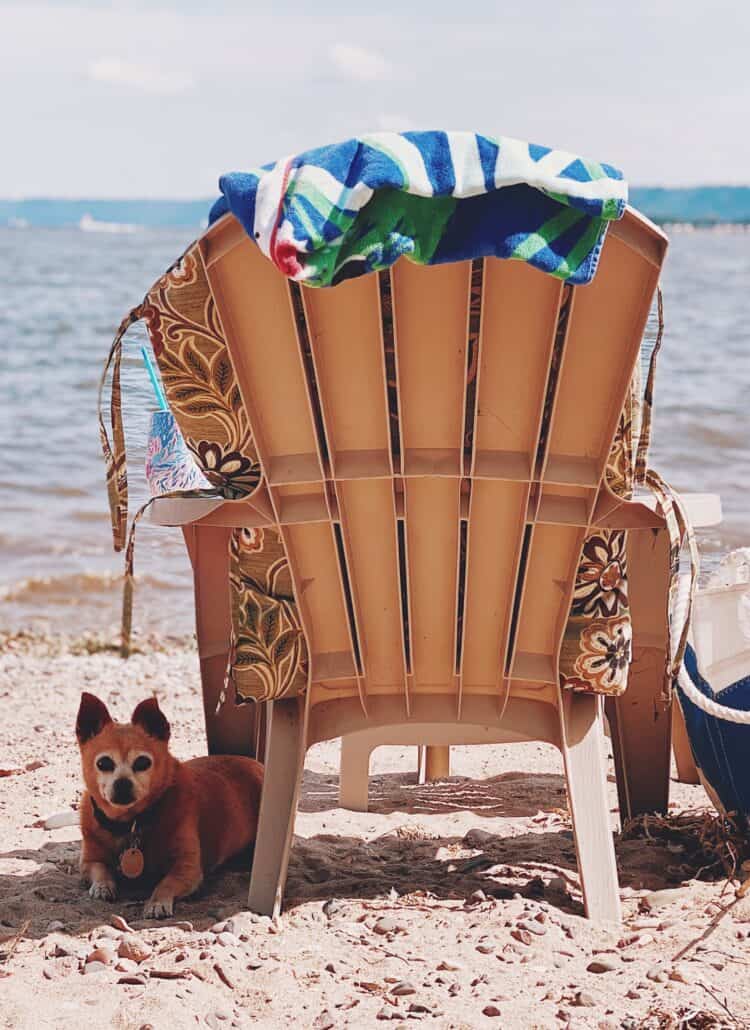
<point x="713" y="685"/>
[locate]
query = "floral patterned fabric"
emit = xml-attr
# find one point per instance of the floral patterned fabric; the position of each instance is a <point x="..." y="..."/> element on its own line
<point x="597" y="646"/>
<point x="596" y="651"/>
<point x="269" y="651"/>
<point x="601" y="588"/>
<point x="199" y="379"/>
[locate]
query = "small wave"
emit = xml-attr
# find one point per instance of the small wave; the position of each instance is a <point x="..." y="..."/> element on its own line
<point x="89" y="224"/>
<point x="82" y="515"/>
<point x="54" y="490"/>
<point x="715" y="437"/>
<point x="71" y="588"/>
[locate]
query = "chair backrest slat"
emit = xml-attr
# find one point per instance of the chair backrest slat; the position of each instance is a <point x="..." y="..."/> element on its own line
<point x="495" y="534"/>
<point x="519" y="321"/>
<point x="346" y="343"/>
<point x="269" y="365"/>
<point x="602" y="346"/>
<point x="430" y="313"/>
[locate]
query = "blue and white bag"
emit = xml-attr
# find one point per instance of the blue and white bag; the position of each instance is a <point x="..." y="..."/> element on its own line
<point x="714" y="685"/>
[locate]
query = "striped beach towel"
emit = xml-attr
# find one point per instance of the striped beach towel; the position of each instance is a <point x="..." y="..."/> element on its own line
<point x="340" y="211"/>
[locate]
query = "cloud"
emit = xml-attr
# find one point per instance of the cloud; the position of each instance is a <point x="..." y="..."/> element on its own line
<point x="147" y="79"/>
<point x="354" y="62"/>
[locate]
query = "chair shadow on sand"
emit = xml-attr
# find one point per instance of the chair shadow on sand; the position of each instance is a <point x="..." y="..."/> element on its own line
<point x="408" y="858"/>
<point x="511" y="794"/>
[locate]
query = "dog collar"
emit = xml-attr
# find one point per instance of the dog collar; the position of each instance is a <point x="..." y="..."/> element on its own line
<point x="119" y="827"/>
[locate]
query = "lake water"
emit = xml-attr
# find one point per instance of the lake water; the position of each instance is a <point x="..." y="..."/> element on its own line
<point x="62" y="293"/>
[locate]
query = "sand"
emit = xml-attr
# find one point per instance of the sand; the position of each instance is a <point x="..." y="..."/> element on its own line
<point x="454" y="903"/>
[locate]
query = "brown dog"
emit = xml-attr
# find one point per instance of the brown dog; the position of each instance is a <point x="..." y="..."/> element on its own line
<point x="146" y="815"/>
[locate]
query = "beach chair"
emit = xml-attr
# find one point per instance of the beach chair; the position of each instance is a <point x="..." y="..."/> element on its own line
<point x="432" y="446"/>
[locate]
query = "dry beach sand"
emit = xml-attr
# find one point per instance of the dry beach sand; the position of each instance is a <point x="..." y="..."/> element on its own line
<point x="455" y="904"/>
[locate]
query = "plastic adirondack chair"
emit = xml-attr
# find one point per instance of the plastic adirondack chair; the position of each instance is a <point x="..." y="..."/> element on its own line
<point x="433" y="500"/>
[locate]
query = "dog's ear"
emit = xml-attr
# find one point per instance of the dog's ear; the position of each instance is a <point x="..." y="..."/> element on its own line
<point x="92" y="717"/>
<point x="150" y="717"/>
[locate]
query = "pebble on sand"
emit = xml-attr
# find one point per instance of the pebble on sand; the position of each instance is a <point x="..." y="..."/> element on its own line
<point x="94" y="967"/>
<point x="119" y="923"/>
<point x="658" y="975"/>
<point x="680" y="974"/>
<point x="584" y="1000"/>
<point x="660" y="899"/>
<point x="104" y="955"/>
<point x="386" y="925"/>
<point x="403" y="988"/>
<point x="601" y="966"/>
<point x="134" y="948"/>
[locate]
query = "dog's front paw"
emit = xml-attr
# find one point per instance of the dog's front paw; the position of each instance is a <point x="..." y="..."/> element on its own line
<point x="103" y="890"/>
<point x="158" y="908"/>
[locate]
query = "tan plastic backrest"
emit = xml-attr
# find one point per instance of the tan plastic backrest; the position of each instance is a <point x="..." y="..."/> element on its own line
<point x="433" y="442"/>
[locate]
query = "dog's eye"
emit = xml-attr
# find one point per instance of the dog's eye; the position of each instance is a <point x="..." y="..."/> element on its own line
<point x="105" y="764"/>
<point x="141" y="763"/>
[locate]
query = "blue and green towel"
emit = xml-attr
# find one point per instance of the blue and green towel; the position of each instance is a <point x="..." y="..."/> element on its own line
<point x="340" y="211"/>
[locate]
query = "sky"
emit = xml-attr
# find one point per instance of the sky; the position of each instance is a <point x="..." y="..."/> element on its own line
<point x="156" y="98"/>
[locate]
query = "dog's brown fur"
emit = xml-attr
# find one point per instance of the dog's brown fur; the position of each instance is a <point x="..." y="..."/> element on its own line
<point x="196" y="814"/>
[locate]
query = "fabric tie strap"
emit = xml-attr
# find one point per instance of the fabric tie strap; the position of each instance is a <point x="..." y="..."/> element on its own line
<point x="128" y="589"/>
<point x="677" y="522"/>
<point x="114" y="452"/>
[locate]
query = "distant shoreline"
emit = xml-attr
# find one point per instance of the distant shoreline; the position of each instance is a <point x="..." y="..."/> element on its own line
<point x="705" y="207"/>
<point x="129" y="228"/>
<point x="702" y="226"/>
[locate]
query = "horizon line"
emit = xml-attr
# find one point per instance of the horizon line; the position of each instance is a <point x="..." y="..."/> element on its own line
<point x="77" y="198"/>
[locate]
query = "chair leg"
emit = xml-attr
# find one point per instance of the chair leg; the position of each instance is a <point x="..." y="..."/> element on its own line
<point x="421" y="764"/>
<point x="437" y="762"/>
<point x="285" y="759"/>
<point x="354" y="773"/>
<point x="687" y="771"/>
<point x="641" y="725"/>
<point x="233" y="729"/>
<point x="582" y="746"/>
<point x="433" y="763"/>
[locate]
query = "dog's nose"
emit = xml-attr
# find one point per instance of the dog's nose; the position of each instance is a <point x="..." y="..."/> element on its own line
<point x="122" y="791"/>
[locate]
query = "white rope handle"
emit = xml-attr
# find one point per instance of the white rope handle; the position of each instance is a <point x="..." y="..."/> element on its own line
<point x="706" y="704"/>
<point x="689" y="689"/>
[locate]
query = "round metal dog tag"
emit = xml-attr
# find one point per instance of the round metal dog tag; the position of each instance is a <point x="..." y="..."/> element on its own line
<point x="131" y="863"/>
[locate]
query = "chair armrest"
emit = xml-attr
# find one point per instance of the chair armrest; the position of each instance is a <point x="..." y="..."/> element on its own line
<point x="211" y="511"/>
<point x="703" y="509"/>
<point x="180" y="511"/>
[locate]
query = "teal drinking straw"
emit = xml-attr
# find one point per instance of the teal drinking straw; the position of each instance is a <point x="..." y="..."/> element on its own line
<point x="161" y="399"/>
